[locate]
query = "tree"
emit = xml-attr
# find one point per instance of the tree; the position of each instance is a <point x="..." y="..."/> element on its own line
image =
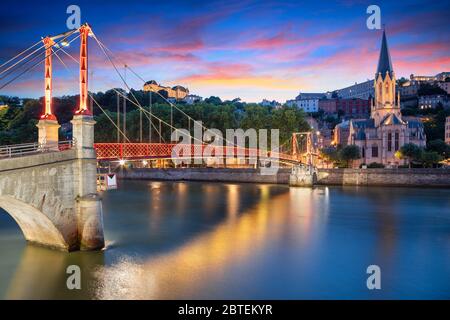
<point x="349" y="153"/>
<point x="430" y="158"/>
<point x="409" y="151"/>
<point x="435" y="127"/>
<point x="427" y="89"/>
<point x="213" y="100"/>
<point x="401" y="81"/>
<point x="329" y="154"/>
<point x="440" y="147"/>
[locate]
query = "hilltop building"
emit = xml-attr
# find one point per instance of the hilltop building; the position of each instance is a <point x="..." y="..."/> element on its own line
<point x="308" y="102"/>
<point x="177" y="92"/>
<point x="350" y="108"/>
<point x="385" y="132"/>
<point x="363" y="90"/>
<point x="192" y="98"/>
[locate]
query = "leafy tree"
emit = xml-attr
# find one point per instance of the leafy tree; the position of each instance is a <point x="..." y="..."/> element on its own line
<point x="349" y="153"/>
<point x="288" y="120"/>
<point x="440" y="147"/>
<point x="430" y="158"/>
<point x="213" y="100"/>
<point x="409" y="151"/>
<point x="329" y="154"/>
<point x="401" y="81"/>
<point x="435" y="127"/>
<point x="427" y="89"/>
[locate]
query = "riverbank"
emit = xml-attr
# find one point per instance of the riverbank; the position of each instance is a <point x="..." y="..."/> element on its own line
<point x="357" y="177"/>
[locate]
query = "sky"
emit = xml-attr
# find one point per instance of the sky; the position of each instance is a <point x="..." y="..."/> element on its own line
<point x="249" y="49"/>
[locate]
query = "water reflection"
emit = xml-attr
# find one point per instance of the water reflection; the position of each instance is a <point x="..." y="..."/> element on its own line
<point x="192" y="267"/>
<point x="211" y="240"/>
<point x="41" y="274"/>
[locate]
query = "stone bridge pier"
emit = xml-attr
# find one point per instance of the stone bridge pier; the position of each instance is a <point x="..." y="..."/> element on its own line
<point x="52" y="195"/>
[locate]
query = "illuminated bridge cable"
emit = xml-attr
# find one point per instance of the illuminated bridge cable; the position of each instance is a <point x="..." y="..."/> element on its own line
<point x="164" y="98"/>
<point x="137" y="104"/>
<point x="92" y="97"/>
<point x="115" y="90"/>
<point x="21" y="53"/>
<point x="104" y="48"/>
<point x="16" y="65"/>
<point x="37" y="63"/>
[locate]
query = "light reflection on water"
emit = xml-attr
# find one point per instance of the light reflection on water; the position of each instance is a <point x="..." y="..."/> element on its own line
<point x="209" y="240"/>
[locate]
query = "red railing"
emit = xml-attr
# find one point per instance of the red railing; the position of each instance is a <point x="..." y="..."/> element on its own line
<point x="130" y="151"/>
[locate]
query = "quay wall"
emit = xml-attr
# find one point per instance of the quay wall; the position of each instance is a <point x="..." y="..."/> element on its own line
<point x="206" y="174"/>
<point x="357" y="177"/>
<point x="416" y="177"/>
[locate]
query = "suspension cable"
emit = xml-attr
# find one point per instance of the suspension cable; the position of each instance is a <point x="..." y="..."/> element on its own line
<point x="122" y="95"/>
<point x="137" y="104"/>
<point x="92" y="97"/>
<point x="32" y="59"/>
<point x="36" y="64"/>
<point x="170" y="103"/>
<point x="21" y="53"/>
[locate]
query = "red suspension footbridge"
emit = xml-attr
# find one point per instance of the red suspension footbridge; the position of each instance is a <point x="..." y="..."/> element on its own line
<point x="123" y="149"/>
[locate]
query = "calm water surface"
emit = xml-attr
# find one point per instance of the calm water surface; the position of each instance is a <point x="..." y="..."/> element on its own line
<point x="170" y="240"/>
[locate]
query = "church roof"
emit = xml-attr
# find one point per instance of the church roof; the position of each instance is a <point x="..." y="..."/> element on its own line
<point x="360" y="135"/>
<point x="365" y="123"/>
<point x="392" y="119"/>
<point x="415" y="123"/>
<point x="384" y="61"/>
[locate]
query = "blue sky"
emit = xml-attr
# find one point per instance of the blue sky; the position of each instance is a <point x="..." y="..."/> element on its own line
<point x="247" y="49"/>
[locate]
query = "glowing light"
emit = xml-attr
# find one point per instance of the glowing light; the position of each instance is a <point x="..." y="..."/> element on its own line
<point x="145" y="162"/>
<point x="122" y="162"/>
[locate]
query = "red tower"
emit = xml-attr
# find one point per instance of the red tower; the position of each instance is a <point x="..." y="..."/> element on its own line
<point x="84" y="33"/>
<point x="48" y="42"/>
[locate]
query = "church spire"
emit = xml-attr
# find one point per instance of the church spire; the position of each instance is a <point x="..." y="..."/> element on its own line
<point x="384" y="62"/>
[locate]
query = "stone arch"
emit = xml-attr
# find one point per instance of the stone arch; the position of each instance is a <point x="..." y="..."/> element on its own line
<point x="35" y="225"/>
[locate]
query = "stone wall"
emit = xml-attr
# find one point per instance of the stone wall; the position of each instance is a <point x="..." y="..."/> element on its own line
<point x="386" y="177"/>
<point x="52" y="197"/>
<point x="38" y="192"/>
<point x="361" y="177"/>
<point x="206" y="174"/>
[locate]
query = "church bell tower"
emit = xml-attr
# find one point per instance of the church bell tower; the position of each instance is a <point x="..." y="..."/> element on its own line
<point x="386" y="101"/>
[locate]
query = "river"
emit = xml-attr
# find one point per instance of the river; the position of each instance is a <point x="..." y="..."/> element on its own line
<point x="196" y="240"/>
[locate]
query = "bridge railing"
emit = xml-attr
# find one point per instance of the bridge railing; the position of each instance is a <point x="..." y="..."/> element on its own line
<point x="128" y="151"/>
<point x="18" y="150"/>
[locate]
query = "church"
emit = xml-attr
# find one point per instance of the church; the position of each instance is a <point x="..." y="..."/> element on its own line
<point x="386" y="131"/>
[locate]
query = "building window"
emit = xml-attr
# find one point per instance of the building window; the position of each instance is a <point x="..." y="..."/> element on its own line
<point x="397" y="141"/>
<point x="374" y="151"/>
<point x="389" y="141"/>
